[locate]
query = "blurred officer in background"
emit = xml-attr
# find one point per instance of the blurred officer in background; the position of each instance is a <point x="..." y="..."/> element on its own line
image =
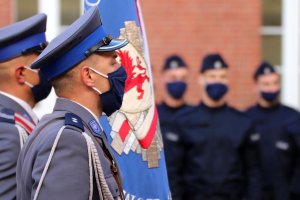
<point x="174" y="77"/>
<point x="81" y="65"/>
<point x="20" y="89"/>
<point x="274" y="122"/>
<point x="220" y="161"/>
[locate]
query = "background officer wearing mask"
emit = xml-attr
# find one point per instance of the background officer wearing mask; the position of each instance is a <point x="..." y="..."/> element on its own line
<point x="67" y="155"/>
<point x="221" y="156"/>
<point x="274" y="122"/>
<point x="20" y="89"/>
<point x="174" y="77"/>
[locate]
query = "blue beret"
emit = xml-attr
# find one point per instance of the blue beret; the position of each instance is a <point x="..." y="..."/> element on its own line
<point x="173" y="62"/>
<point x="213" y="61"/>
<point x="23" y="37"/>
<point x="82" y="38"/>
<point x="263" y="69"/>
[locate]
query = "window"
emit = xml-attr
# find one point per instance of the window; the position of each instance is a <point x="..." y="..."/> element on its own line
<point x="271" y="31"/>
<point x="25" y="9"/>
<point x="70" y="11"/>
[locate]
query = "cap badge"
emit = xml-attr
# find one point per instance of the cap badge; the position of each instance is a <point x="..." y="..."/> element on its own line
<point x="174" y="64"/>
<point x="217" y="65"/>
<point x="267" y="71"/>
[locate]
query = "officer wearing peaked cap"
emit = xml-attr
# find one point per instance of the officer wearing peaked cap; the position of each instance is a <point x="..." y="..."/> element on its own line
<point x="174" y="77"/>
<point x="278" y="129"/>
<point x="220" y="156"/>
<point x="67" y="156"/>
<point x="20" y="89"/>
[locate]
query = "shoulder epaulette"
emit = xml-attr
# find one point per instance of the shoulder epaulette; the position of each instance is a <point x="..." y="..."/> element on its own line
<point x="74" y="120"/>
<point x="7" y="116"/>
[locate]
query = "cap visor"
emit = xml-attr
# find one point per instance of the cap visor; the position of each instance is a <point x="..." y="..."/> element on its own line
<point x="113" y="45"/>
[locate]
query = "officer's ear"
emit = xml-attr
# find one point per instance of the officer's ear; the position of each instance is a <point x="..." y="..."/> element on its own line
<point x="87" y="76"/>
<point x="20" y="74"/>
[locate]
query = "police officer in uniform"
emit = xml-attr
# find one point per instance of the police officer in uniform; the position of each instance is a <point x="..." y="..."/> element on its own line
<point x="220" y="161"/>
<point x="67" y="155"/>
<point x="20" y="89"/>
<point x="174" y="77"/>
<point x="274" y="124"/>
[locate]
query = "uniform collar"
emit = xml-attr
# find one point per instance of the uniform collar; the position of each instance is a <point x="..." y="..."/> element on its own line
<point x="95" y="117"/>
<point x="63" y="104"/>
<point x="214" y="109"/>
<point x="173" y="109"/>
<point x="18" y="105"/>
<point x="268" y="109"/>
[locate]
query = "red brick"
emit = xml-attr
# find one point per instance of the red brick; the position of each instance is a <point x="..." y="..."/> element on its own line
<point x="196" y="27"/>
<point x="6" y="12"/>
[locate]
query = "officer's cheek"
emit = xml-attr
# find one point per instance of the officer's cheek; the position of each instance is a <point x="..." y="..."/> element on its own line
<point x="32" y="77"/>
<point x="103" y="84"/>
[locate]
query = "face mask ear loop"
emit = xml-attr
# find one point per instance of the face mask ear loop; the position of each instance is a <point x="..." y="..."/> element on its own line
<point x="97" y="90"/>
<point x="28" y="84"/>
<point x="99" y="73"/>
<point x="32" y="70"/>
<point x="28" y="68"/>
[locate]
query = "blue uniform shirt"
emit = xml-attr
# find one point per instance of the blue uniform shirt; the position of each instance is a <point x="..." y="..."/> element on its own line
<point x="277" y="128"/>
<point x="220" y="154"/>
<point x="174" y="148"/>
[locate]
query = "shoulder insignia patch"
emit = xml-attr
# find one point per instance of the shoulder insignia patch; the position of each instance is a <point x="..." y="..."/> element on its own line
<point x="95" y="127"/>
<point x="74" y="120"/>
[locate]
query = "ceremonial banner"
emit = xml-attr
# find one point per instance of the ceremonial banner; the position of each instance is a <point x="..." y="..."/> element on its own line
<point x="133" y="131"/>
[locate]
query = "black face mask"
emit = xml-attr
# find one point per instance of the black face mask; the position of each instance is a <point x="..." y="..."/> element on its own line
<point x="270" y="96"/>
<point x="176" y="89"/>
<point x="41" y="90"/>
<point x="112" y="99"/>
<point x="216" y="90"/>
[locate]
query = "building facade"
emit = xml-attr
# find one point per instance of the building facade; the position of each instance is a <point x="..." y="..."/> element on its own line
<point x="244" y="32"/>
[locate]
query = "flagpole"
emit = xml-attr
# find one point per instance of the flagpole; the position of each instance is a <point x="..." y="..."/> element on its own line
<point x="146" y="49"/>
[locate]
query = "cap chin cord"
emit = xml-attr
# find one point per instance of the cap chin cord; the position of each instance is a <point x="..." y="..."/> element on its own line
<point x="105" y="41"/>
<point x="39" y="48"/>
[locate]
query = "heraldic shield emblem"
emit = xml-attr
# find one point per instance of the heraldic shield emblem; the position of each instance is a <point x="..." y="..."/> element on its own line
<point x="135" y="126"/>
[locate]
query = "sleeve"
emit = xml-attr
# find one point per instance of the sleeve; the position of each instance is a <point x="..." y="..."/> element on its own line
<point x="175" y="151"/>
<point x="251" y="160"/>
<point x="293" y="175"/>
<point x="68" y="173"/>
<point x="9" y="152"/>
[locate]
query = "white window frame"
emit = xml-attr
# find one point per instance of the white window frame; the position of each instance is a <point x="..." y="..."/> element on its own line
<point x="291" y="53"/>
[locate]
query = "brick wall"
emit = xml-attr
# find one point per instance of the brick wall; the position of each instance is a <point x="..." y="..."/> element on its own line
<point x="6" y="12"/>
<point x="194" y="28"/>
